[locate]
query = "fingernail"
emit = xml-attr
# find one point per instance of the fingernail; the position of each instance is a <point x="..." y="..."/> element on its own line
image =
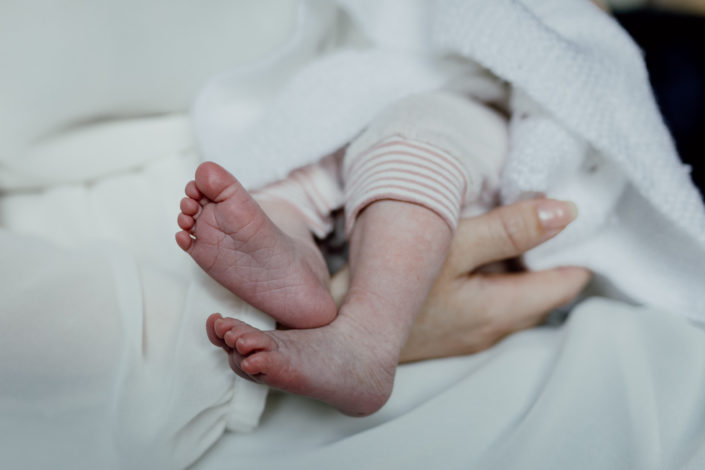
<point x="555" y="215"/>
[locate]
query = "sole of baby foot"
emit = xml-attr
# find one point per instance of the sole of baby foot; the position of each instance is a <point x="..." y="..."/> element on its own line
<point x="228" y="235"/>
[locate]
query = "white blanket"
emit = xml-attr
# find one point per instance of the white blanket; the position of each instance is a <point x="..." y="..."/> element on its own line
<point x="584" y="124"/>
<point x="103" y="359"/>
<point x="585" y="396"/>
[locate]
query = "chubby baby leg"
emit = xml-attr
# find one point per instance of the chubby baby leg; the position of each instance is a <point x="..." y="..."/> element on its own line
<point x="397" y="249"/>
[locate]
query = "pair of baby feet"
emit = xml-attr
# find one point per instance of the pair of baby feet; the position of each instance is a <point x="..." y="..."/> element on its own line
<point x="326" y="356"/>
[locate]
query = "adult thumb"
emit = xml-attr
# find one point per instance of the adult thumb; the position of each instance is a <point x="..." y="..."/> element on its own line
<point x="506" y="232"/>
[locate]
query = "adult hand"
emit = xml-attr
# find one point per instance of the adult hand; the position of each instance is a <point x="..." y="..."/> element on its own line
<point x="469" y="310"/>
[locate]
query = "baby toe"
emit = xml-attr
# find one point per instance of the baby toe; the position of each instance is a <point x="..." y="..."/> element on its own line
<point x="192" y="191"/>
<point x="184" y="221"/>
<point x="252" y="341"/>
<point x="189" y="206"/>
<point x="257" y="364"/>
<point x="223" y="325"/>
<point x="210" y="330"/>
<point x="184" y="240"/>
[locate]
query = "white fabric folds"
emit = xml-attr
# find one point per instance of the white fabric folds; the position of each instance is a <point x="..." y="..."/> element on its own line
<point x="583" y="396"/>
<point x="104" y="358"/>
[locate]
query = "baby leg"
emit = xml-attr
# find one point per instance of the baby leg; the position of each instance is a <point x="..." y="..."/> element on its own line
<point x="397" y="249"/>
<point x="403" y="197"/>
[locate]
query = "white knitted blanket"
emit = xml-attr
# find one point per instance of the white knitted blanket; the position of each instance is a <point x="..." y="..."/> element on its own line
<point x="584" y="125"/>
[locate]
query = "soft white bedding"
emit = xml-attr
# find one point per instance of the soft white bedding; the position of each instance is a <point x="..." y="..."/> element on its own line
<point x="103" y="358"/>
<point x="105" y="362"/>
<point x="616" y="387"/>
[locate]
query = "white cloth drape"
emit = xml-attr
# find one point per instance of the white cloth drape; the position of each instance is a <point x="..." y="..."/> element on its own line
<point x="103" y="358"/>
<point x="105" y="361"/>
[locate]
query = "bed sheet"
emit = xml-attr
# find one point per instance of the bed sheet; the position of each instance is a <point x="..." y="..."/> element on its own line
<point x="102" y="338"/>
<point x="616" y="387"/>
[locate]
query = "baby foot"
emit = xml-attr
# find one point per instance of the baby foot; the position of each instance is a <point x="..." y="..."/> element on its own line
<point x="339" y="364"/>
<point x="228" y="235"/>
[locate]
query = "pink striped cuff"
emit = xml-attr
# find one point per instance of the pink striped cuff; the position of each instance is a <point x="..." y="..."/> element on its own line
<point x="404" y="170"/>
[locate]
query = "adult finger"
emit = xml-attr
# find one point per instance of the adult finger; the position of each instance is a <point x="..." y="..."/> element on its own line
<point x="475" y="312"/>
<point x="524" y="299"/>
<point x="507" y="232"/>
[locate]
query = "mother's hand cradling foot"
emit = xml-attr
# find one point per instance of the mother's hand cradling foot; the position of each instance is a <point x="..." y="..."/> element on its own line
<point x="469" y="311"/>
